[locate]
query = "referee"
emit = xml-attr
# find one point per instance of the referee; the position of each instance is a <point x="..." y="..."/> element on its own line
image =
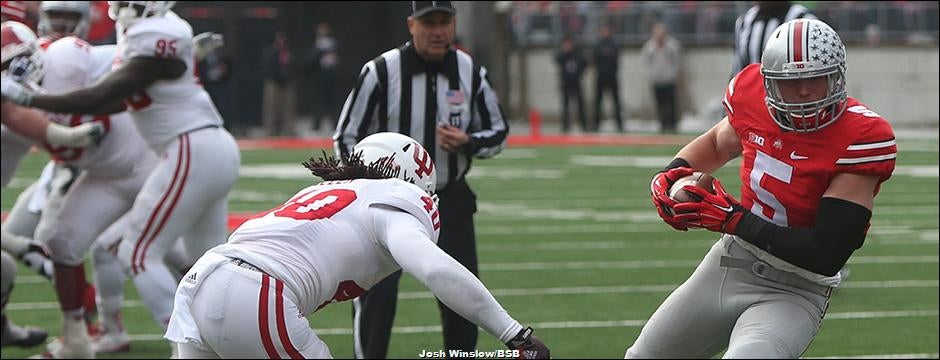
<point x="753" y="29"/>
<point x="441" y="97"/>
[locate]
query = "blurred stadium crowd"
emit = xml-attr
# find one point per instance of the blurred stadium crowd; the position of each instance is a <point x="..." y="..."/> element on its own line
<point x="236" y="74"/>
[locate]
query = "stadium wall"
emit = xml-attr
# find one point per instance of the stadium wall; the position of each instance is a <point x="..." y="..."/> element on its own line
<point x="900" y="83"/>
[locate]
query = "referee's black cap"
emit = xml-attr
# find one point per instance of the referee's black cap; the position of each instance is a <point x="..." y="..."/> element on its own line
<point x="420" y="8"/>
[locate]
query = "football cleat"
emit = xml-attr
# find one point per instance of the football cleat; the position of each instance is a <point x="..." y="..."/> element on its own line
<point x="112" y="342"/>
<point x="22" y="336"/>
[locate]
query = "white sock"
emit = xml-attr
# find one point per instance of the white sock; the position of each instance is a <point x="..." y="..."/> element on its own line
<point x="109" y="279"/>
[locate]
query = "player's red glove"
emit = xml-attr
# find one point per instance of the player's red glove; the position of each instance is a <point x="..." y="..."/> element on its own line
<point x="659" y="189"/>
<point x="718" y="212"/>
<point x="529" y="346"/>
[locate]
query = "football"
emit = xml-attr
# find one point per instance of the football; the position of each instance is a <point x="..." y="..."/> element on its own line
<point x="699" y="179"/>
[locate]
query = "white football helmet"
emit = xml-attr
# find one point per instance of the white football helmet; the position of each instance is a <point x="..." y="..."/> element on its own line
<point x="801" y="49"/>
<point x="20" y="53"/>
<point x="413" y="161"/>
<point x="128" y="12"/>
<point x="54" y="25"/>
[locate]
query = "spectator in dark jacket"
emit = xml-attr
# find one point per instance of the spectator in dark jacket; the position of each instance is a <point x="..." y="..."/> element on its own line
<point x="606" y="55"/>
<point x="322" y="62"/>
<point x="278" y="100"/>
<point x="571" y="64"/>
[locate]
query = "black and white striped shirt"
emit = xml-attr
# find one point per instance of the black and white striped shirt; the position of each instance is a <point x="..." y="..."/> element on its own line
<point x="753" y="29"/>
<point x="395" y="93"/>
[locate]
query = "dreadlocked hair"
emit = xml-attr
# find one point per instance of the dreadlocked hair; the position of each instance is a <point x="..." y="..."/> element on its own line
<point x="329" y="168"/>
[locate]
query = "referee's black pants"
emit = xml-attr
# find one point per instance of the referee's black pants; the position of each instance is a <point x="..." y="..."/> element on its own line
<point x="374" y="311"/>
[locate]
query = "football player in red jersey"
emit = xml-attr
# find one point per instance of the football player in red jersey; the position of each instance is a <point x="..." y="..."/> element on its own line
<point x="813" y="161"/>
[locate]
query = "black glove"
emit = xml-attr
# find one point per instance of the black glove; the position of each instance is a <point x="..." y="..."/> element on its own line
<point x="37" y="258"/>
<point x="529" y="346"/>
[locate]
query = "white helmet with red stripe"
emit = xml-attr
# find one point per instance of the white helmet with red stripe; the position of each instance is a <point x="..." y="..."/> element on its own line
<point x="21" y="56"/>
<point x="803" y="49"/>
<point x="413" y="161"/>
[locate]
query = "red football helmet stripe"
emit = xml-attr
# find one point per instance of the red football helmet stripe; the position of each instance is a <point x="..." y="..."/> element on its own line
<point x="798" y="41"/>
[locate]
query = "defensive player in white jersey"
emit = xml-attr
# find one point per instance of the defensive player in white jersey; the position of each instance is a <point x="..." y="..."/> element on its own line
<point x="112" y="175"/>
<point x="57" y="19"/>
<point x="330" y="242"/>
<point x="187" y="193"/>
<point x="21" y="61"/>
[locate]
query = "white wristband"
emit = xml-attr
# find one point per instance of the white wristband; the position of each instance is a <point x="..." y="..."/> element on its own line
<point x="60" y="135"/>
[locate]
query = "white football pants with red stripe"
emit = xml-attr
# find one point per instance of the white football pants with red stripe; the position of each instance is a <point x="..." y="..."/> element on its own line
<point x="243" y="313"/>
<point x="185" y="196"/>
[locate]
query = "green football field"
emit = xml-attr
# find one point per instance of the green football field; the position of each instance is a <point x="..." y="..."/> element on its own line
<point x="569" y="243"/>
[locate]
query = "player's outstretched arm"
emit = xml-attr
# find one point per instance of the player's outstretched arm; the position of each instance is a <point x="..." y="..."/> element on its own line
<point x="409" y="243"/>
<point x="35" y="126"/>
<point x="107" y="96"/>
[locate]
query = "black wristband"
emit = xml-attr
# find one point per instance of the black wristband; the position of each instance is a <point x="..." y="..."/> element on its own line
<point x="677" y="162"/>
<point x="520" y="339"/>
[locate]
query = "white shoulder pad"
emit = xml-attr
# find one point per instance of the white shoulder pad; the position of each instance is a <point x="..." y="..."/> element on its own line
<point x="161" y="37"/>
<point x="66" y="65"/>
<point x="409" y="198"/>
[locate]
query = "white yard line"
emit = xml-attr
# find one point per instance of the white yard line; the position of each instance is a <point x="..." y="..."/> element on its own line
<point x="643" y="223"/>
<point x="616" y="324"/>
<point x="627" y="264"/>
<point x="577" y="290"/>
<point x="588" y="244"/>
<point x="658" y="264"/>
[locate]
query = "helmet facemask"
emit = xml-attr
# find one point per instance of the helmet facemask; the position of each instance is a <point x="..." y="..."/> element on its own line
<point x="26" y="70"/>
<point x="804" y="49"/>
<point x="128" y="12"/>
<point x="807" y="116"/>
<point x="58" y="19"/>
<point x="22" y="57"/>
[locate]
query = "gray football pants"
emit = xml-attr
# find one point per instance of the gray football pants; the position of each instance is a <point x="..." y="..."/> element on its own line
<point x="755" y="311"/>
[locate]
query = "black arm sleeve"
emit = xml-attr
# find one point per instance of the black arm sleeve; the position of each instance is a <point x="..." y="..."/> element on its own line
<point x="840" y="228"/>
<point x="677" y="162"/>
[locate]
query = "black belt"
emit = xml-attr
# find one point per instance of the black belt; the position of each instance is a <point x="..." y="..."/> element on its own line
<point x="765" y="271"/>
<point x="246" y="265"/>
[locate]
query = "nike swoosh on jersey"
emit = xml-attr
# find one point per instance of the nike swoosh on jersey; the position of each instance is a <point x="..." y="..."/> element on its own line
<point x="794" y="156"/>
